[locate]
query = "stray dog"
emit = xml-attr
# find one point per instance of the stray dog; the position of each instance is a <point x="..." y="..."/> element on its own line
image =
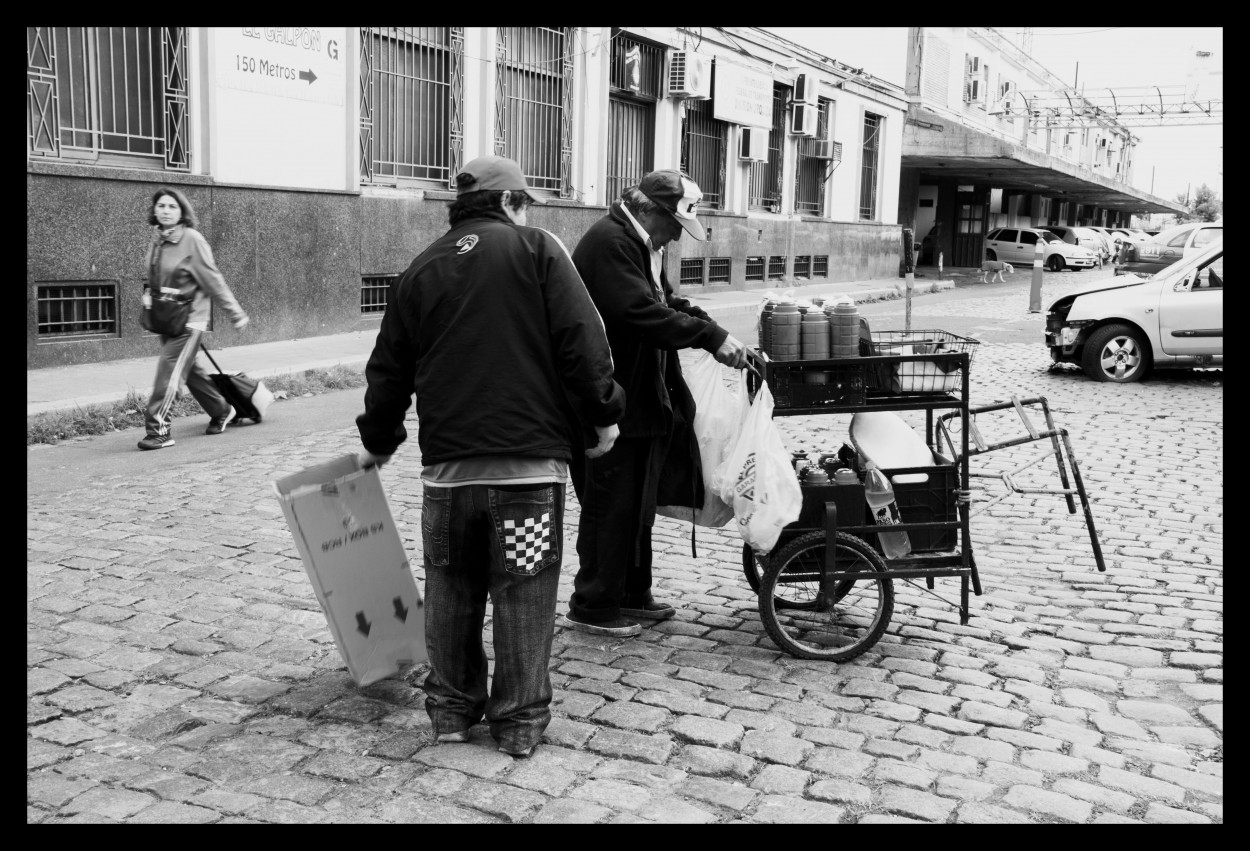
<point x="997" y="267"/>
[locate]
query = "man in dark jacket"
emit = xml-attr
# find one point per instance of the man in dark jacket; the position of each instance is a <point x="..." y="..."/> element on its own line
<point x="491" y="326"/>
<point x="621" y="260"/>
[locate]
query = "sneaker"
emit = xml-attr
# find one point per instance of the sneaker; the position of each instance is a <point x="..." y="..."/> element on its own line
<point x="156" y="441"/>
<point x="525" y="754"/>
<point x="651" y="610"/>
<point x="619" y="627"/>
<point x="218" y="424"/>
<point x="455" y="737"/>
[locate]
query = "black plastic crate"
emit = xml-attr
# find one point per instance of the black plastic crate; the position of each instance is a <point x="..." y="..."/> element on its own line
<point x="792" y="385"/>
<point x="930" y="501"/>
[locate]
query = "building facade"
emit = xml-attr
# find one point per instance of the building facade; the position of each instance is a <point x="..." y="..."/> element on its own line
<point x="320" y="159"/>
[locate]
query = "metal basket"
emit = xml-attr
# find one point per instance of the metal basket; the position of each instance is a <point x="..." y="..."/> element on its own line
<point x="937" y="375"/>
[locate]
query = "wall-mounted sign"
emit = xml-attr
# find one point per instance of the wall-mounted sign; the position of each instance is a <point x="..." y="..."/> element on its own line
<point x="741" y="95"/>
<point x="304" y="63"/>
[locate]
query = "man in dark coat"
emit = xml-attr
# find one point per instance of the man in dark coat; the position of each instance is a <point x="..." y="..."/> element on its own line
<point x="621" y="260"/>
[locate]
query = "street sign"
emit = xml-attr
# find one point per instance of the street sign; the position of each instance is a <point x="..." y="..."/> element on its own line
<point x="300" y="63"/>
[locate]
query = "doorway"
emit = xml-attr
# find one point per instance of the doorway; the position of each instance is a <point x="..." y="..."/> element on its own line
<point x="969" y="227"/>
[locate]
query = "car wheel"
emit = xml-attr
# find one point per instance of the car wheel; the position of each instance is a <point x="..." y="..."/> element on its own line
<point x="1055" y="263"/>
<point x="990" y="254"/>
<point x="1116" y="353"/>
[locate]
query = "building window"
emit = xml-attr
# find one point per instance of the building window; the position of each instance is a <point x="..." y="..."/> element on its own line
<point x="533" y="102"/>
<point x="820" y="266"/>
<point x="803" y="266"/>
<point x="766" y="176"/>
<point x="869" y="167"/>
<point x="692" y="271"/>
<point x="718" y="269"/>
<point x="776" y="268"/>
<point x="373" y="292"/>
<point x="411" y="94"/>
<point x="114" y="95"/>
<point x="633" y="89"/>
<point x="77" y="309"/>
<point x="703" y="151"/>
<point x="813" y="165"/>
<point x="755" y="268"/>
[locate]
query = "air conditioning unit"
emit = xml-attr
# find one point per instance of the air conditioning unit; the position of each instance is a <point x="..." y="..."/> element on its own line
<point x="805" y="87"/>
<point x="690" y="75"/>
<point x="805" y="119"/>
<point x="754" y="144"/>
<point x="821" y="149"/>
<point x="973" y="90"/>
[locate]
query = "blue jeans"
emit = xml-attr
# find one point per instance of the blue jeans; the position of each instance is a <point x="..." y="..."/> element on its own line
<point x="504" y="540"/>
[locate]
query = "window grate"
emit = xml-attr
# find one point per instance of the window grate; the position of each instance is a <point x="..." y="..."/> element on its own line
<point x="809" y="173"/>
<point x="766" y="176"/>
<point x="703" y="151"/>
<point x="373" y="292"/>
<point x="776" y="268"/>
<point x="534" y="91"/>
<point x="820" y="266"/>
<point x="718" y="269"/>
<point x="755" y="268"/>
<point x="868" y="169"/>
<point x="692" y="271"/>
<point x="803" y="266"/>
<point x="80" y="309"/>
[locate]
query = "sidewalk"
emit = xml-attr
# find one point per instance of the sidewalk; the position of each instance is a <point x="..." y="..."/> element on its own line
<point x="67" y="387"/>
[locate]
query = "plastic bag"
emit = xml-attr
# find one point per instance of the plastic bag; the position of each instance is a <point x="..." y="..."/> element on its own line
<point x="717" y="420"/>
<point x="758" y="480"/>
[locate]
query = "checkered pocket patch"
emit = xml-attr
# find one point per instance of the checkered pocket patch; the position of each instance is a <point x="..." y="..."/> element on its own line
<point x="526" y="543"/>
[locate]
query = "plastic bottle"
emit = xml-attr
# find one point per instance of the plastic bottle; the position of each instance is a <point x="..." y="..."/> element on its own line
<point x="766" y="326"/>
<point x="844" y="329"/>
<point x="813" y="474"/>
<point x="845" y="476"/>
<point x="880" y="496"/>
<point x="814" y="343"/>
<point x="785" y="329"/>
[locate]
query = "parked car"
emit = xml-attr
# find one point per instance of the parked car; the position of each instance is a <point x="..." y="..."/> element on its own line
<point x="1114" y="238"/>
<point x="1119" y="328"/>
<point x="1165" y="249"/>
<point x="1131" y="235"/>
<point x="1017" y="246"/>
<point x="1091" y="239"/>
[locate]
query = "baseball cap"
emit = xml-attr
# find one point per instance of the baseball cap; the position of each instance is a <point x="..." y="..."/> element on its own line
<point x="493" y="173"/>
<point x="678" y="194"/>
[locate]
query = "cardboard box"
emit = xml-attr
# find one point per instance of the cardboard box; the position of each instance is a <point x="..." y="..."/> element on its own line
<point x="355" y="559"/>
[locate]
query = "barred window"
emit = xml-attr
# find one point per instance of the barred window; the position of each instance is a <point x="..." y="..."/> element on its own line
<point x="634" y="88"/>
<point x="373" y="292"/>
<point x="813" y="165"/>
<point x="776" y="268"/>
<point x="820" y="266"/>
<point x="703" y="141"/>
<point x="868" y="169"/>
<point x="718" y="269"/>
<point x="692" y="271"/>
<point x="766" y="177"/>
<point x="77" y="309"/>
<point x="411" y="103"/>
<point x="803" y="266"/>
<point x="534" y="99"/>
<point x="115" y="95"/>
<point x="755" y="268"/>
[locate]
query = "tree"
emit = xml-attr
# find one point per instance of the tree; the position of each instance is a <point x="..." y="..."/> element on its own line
<point x="1202" y="207"/>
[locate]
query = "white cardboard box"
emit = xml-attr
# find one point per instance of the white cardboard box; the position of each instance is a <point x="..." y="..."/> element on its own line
<point x="356" y="562"/>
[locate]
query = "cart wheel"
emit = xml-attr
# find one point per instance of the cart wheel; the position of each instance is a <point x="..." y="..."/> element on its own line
<point x="753" y="566"/>
<point x="849" y="624"/>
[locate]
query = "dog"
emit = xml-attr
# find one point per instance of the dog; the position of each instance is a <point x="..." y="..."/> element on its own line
<point x="994" y="269"/>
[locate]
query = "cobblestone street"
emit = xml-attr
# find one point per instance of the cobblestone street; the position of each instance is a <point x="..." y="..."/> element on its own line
<point x="179" y="668"/>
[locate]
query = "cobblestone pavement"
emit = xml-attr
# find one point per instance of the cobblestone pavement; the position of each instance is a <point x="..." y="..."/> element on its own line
<point x="179" y="668"/>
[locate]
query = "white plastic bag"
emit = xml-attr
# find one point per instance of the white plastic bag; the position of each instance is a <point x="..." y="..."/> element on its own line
<point x="758" y="480"/>
<point x="717" y="420"/>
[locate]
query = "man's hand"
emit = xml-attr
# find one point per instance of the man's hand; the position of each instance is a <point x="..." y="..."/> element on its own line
<point x="607" y="437"/>
<point x="238" y="326"/>
<point x="367" y="459"/>
<point x="732" y="353"/>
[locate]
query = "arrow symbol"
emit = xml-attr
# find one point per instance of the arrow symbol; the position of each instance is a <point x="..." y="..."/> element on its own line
<point x="362" y="625"/>
<point x="308" y="75"/>
<point x="400" y="611"/>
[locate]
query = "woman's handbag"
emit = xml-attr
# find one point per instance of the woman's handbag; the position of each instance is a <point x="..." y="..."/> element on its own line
<point x="166" y="313"/>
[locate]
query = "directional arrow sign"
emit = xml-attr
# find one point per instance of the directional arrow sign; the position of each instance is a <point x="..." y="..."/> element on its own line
<point x="308" y="75"/>
<point x="401" y="611"/>
<point x="362" y="625"/>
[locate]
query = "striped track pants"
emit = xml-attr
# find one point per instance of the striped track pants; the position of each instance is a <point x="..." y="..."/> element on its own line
<point x="177" y="365"/>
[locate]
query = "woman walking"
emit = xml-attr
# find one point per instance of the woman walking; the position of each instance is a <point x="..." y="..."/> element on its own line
<point x="180" y="264"/>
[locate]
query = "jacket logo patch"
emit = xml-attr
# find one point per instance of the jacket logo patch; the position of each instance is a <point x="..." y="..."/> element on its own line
<point x="466" y="243"/>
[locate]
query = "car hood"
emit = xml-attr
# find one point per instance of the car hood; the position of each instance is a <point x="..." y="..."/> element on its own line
<point x="1115" y="283"/>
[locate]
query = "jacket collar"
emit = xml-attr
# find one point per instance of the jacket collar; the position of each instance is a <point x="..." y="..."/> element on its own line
<point x="617" y="212"/>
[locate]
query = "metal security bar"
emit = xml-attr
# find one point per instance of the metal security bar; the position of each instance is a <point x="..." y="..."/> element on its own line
<point x="108" y="91"/>
<point x="820" y="266"/>
<point x="776" y="268"/>
<point x="692" y="271"/>
<point x="766" y="177"/>
<point x="755" y="268"/>
<point x="77" y="309"/>
<point x="534" y="84"/>
<point x="803" y="266"/>
<point x="373" y="292"/>
<point x="718" y="270"/>
<point x="631" y="141"/>
<point x="411" y="92"/>
<point x="809" y="176"/>
<point x="868" y="167"/>
<point x="703" y="143"/>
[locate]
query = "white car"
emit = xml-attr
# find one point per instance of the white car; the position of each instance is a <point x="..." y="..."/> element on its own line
<point x="1018" y="246"/>
<point x="1119" y="328"/>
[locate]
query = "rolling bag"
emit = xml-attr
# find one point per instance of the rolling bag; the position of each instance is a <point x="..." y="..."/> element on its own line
<point x="248" y="396"/>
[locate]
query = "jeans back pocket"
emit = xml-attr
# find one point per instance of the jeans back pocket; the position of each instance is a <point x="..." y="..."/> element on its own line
<point x="436" y="525"/>
<point x="529" y="527"/>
